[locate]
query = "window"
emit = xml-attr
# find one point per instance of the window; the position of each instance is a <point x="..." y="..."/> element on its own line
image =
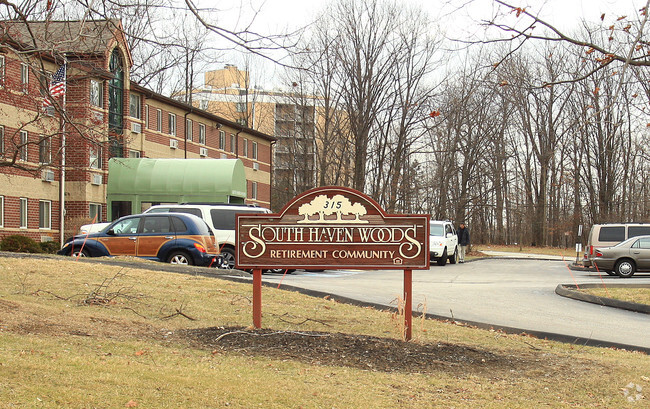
<point x="24" y="76"/>
<point x="202" y="134"/>
<point x="203" y="104"/>
<point x="634" y="231"/>
<point x="158" y="120"/>
<point x="96" y="93"/>
<point x="232" y="143"/>
<point x="643" y="243"/>
<point x="242" y="122"/>
<point x="23" y="213"/>
<point x="116" y="93"/>
<point x="222" y="140"/>
<point x="254" y="190"/>
<point x="95" y="157"/>
<point x="245" y="147"/>
<point x="95" y="212"/>
<point x="45" y="150"/>
<point x="44" y="214"/>
<point x="172" y="124"/>
<point x="612" y="234"/>
<point x="241" y="106"/>
<point x="2" y="211"/>
<point x="188" y="129"/>
<point x="2" y="70"/>
<point x="2" y="140"/>
<point x="134" y="154"/>
<point x="146" y="116"/>
<point x="254" y="150"/>
<point x="23" y="145"/>
<point x="134" y="106"/>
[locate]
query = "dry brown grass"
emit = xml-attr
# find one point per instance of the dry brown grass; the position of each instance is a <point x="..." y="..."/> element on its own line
<point x="85" y="335"/>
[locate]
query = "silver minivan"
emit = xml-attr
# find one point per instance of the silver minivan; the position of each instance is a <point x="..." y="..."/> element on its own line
<point x="607" y="235"/>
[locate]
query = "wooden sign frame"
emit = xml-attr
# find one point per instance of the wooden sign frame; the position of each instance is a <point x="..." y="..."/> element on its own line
<point x="332" y="228"/>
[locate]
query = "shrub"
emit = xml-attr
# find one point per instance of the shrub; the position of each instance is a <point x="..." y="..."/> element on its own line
<point x="20" y="244"/>
<point x="50" y="247"/>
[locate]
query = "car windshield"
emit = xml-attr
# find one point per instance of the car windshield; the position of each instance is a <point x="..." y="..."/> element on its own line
<point x="437" y="230"/>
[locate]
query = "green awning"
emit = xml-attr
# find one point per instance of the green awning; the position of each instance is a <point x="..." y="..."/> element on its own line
<point x="175" y="181"/>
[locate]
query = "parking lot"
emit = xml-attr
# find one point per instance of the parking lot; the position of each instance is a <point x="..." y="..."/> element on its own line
<point x="517" y="294"/>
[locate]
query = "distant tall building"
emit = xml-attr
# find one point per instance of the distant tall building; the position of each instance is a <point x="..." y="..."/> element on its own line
<point x="290" y="117"/>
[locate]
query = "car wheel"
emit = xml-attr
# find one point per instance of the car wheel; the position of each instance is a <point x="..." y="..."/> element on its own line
<point x="443" y="259"/>
<point x="80" y="253"/>
<point x="454" y="258"/>
<point x="228" y="255"/>
<point x="625" y="268"/>
<point x="180" y="257"/>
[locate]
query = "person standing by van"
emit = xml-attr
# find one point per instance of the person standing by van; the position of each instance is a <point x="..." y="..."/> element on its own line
<point x="463" y="241"/>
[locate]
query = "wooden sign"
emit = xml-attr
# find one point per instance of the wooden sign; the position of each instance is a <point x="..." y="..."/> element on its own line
<point x="333" y="227"/>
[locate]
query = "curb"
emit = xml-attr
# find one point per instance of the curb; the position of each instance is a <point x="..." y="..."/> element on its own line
<point x="571" y="291"/>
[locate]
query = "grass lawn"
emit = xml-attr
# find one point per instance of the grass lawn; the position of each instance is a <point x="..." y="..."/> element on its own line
<point x="637" y="295"/>
<point x="90" y="335"/>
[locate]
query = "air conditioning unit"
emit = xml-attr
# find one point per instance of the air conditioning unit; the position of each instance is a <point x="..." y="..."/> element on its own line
<point x="136" y="127"/>
<point x="47" y="175"/>
<point x="203" y="151"/>
<point x="96" y="179"/>
<point x="256" y="166"/>
<point x="173" y="143"/>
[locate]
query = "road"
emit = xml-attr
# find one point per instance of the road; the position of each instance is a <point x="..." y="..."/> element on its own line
<point x="512" y="293"/>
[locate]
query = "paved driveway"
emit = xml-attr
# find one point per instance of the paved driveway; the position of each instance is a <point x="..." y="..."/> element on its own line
<point x="509" y="293"/>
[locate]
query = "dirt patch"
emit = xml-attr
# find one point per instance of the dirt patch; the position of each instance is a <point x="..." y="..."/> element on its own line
<point x="373" y="353"/>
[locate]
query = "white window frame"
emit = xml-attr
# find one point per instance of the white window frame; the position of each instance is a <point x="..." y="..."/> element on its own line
<point x="95" y="156"/>
<point x="138" y="107"/>
<point x="233" y="143"/>
<point x="24" y="77"/>
<point x="222" y="140"/>
<point x="202" y="134"/>
<point x="22" y="206"/>
<point x="45" y="150"/>
<point x="2" y="70"/>
<point x="97" y="211"/>
<point x="45" y="220"/>
<point x="159" y="120"/>
<point x="254" y="190"/>
<point x="245" y="148"/>
<point x="24" y="137"/>
<point x="96" y="92"/>
<point x="2" y="211"/>
<point x="171" y="119"/>
<point x="134" y="154"/>
<point x="254" y="153"/>
<point x="146" y="116"/>
<point x="2" y="140"/>
<point x="188" y="129"/>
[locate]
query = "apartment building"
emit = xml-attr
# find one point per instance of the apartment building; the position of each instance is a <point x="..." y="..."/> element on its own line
<point x="59" y="126"/>
<point x="291" y="117"/>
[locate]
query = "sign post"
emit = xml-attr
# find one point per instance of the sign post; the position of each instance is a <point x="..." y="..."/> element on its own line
<point x="332" y="228"/>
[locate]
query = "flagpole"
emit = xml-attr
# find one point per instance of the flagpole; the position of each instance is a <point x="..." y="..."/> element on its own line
<point x="63" y="163"/>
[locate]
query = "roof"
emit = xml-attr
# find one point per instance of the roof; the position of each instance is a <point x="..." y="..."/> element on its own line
<point x="78" y="37"/>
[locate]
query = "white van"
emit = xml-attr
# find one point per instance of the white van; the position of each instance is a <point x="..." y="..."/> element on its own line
<point x="219" y="217"/>
<point x="607" y="235"/>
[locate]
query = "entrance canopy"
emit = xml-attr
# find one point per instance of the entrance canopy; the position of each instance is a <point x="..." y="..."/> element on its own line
<point x="132" y="182"/>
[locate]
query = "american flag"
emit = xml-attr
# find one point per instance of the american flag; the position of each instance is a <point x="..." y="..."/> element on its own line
<point x="57" y="85"/>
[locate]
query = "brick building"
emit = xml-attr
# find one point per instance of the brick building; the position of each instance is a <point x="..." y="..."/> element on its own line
<point x="55" y="150"/>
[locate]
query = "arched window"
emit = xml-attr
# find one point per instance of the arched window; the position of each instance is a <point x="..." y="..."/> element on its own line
<point x="116" y="103"/>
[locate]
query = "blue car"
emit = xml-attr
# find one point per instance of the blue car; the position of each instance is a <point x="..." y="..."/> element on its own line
<point x="176" y="238"/>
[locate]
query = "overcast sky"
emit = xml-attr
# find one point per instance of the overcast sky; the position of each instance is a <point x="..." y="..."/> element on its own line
<point x="459" y="19"/>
